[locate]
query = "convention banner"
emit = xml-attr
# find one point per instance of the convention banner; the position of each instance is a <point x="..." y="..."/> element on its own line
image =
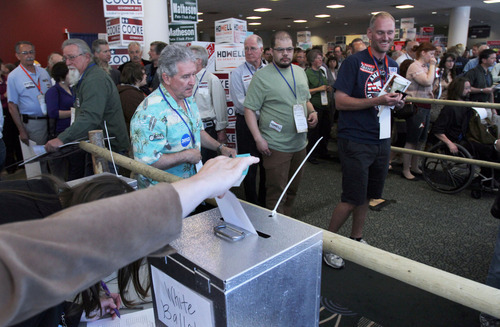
<point x="114" y="8"/>
<point x="184" y="11"/>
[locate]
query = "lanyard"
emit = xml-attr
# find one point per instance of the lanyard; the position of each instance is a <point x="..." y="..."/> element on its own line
<point x="378" y="70"/>
<point x="188" y="109"/>
<point x="248" y="68"/>
<point x="81" y="78"/>
<point x="31" y="78"/>
<point x="197" y="86"/>
<point x="293" y="76"/>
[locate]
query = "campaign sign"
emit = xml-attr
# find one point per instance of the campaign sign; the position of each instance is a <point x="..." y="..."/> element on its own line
<point x="113" y="31"/>
<point x="230" y="30"/>
<point x="118" y="56"/>
<point x="182" y="33"/>
<point x="113" y="8"/>
<point x="132" y="30"/>
<point x="184" y="10"/>
<point x="229" y="56"/>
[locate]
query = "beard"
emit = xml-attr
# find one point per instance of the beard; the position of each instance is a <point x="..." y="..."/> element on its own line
<point x="283" y="64"/>
<point x="73" y="76"/>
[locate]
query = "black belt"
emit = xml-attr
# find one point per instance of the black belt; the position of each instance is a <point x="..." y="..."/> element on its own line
<point x="28" y="117"/>
<point x="207" y="123"/>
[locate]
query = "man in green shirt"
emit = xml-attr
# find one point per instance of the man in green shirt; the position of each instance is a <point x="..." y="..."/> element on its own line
<point x="281" y="93"/>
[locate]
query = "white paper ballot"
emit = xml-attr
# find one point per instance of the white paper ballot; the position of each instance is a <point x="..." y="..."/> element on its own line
<point x="233" y="213"/>
<point x="144" y="318"/>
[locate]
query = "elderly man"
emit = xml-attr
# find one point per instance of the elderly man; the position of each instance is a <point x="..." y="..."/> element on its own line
<point x="357" y="45"/>
<point x="238" y="86"/>
<point x="281" y="93"/>
<point x="152" y="79"/>
<point x="364" y="153"/>
<point x="135" y="54"/>
<point x="210" y="98"/>
<point x="166" y="129"/>
<point x="102" y="56"/>
<point x="26" y="88"/>
<point x="96" y="100"/>
<point x="408" y="52"/>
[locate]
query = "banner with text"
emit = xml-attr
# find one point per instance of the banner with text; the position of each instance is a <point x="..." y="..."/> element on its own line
<point x="182" y="33"/>
<point x="124" y="30"/>
<point x="113" y="8"/>
<point x="184" y="11"/>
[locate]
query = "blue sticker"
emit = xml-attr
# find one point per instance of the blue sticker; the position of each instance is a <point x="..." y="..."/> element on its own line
<point x="185" y="140"/>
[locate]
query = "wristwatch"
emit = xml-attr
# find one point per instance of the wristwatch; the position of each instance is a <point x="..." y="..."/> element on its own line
<point x="481" y="90"/>
<point x="219" y="148"/>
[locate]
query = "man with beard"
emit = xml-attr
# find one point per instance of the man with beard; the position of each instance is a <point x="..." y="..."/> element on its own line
<point x="166" y="129"/>
<point x="26" y="88"/>
<point x="281" y="92"/>
<point x="364" y="156"/>
<point x="96" y="100"/>
<point x="102" y="56"/>
<point x="135" y="54"/>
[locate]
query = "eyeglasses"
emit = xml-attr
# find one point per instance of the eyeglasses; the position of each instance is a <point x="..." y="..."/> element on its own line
<point x="281" y="50"/>
<point x="27" y="52"/>
<point x="253" y="49"/>
<point x="71" y="58"/>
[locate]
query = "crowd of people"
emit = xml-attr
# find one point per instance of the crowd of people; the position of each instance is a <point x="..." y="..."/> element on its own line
<point x="170" y="113"/>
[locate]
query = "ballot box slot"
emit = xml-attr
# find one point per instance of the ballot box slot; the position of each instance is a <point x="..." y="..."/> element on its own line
<point x="235" y="231"/>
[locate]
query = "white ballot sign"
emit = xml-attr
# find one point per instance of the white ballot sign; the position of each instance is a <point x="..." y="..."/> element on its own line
<point x="177" y="305"/>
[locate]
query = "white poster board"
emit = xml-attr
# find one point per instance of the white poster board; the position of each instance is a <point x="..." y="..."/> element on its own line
<point x="178" y="305"/>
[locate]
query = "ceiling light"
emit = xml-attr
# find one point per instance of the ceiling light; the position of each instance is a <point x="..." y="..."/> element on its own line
<point x="335" y="6"/>
<point x="345" y="24"/>
<point x="491" y="1"/>
<point x="300" y="21"/>
<point x="322" y="16"/>
<point x="405" y="6"/>
<point x="200" y="20"/>
<point x="200" y="13"/>
<point x="254" y="17"/>
<point x="375" y="12"/>
<point x="262" y="9"/>
<point x="254" y="23"/>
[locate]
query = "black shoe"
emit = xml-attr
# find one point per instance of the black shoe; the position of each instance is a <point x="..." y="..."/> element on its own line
<point x="414" y="179"/>
<point x="314" y="161"/>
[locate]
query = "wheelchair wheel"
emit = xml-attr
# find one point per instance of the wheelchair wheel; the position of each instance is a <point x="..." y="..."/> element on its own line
<point x="447" y="176"/>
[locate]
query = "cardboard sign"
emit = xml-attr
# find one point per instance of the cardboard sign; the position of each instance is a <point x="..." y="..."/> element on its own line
<point x="178" y="305"/>
<point x="114" y="8"/>
<point x="230" y="30"/>
<point x="124" y="30"/>
<point x="229" y="56"/>
<point x="182" y="33"/>
<point x="118" y="56"/>
<point x="184" y="10"/>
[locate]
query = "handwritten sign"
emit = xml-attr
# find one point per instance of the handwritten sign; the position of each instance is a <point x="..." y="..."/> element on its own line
<point x="179" y="306"/>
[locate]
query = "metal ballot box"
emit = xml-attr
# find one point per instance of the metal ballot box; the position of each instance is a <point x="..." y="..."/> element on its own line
<point x="270" y="279"/>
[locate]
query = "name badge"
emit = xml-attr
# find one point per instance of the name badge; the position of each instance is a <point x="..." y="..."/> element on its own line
<point x="43" y="105"/>
<point x="274" y="125"/>
<point x="29" y="85"/>
<point x="300" y="118"/>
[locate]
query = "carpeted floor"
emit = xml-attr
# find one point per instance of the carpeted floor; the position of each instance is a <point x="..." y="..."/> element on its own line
<point x="454" y="233"/>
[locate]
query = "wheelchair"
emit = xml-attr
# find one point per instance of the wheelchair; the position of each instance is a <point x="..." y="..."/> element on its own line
<point x="450" y="177"/>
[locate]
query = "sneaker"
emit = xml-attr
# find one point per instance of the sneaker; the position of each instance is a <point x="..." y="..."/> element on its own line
<point x="362" y="241"/>
<point x="488" y="321"/>
<point x="333" y="260"/>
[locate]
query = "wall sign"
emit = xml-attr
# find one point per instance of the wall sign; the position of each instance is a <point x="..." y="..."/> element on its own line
<point x="181" y="33"/>
<point x="114" y="8"/>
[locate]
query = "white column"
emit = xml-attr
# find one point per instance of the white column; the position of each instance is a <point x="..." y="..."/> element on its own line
<point x="155" y="23"/>
<point x="459" y="26"/>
